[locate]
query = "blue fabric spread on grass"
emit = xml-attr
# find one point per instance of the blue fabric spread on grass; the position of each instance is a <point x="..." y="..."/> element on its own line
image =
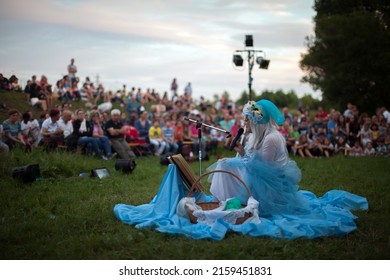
<point x="325" y="216"/>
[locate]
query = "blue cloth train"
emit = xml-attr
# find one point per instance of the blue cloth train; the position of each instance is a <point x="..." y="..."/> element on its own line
<point x="302" y="215"/>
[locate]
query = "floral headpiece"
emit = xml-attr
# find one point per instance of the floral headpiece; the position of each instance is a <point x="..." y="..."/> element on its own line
<point x="260" y="112"/>
<point x="253" y="112"/>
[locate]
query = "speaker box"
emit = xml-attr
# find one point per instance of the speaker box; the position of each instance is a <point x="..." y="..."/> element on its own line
<point x="27" y="174"/>
<point x="126" y="165"/>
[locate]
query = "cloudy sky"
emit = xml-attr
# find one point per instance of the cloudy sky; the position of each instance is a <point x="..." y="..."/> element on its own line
<point x="146" y="43"/>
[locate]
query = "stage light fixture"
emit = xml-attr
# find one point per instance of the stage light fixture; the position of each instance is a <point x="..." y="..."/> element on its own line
<point x="100" y="173"/>
<point x="238" y="60"/>
<point x="248" y="40"/>
<point x="264" y="63"/>
<point x="126" y="165"/>
<point x="27" y="174"/>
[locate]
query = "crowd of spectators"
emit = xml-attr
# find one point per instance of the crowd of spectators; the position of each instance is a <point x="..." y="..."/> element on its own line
<point x="130" y="123"/>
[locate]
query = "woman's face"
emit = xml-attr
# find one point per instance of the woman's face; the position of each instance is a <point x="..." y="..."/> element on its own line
<point x="248" y="125"/>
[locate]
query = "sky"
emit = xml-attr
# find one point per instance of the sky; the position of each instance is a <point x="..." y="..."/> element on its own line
<point x="147" y="43"/>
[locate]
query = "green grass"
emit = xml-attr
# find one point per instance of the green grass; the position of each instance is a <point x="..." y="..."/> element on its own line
<point x="71" y="217"/>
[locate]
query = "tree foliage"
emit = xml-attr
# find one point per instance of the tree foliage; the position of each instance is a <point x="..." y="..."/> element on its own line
<point x="283" y="99"/>
<point x="348" y="59"/>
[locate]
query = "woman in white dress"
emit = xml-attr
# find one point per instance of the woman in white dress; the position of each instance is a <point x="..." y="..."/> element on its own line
<point x="273" y="179"/>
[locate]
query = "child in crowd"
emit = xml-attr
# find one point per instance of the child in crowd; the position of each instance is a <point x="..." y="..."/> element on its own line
<point x="328" y="147"/>
<point x="342" y="146"/>
<point x="381" y="149"/>
<point x="369" y="150"/>
<point x="302" y="147"/>
<point x="356" y="150"/>
<point x="155" y="138"/>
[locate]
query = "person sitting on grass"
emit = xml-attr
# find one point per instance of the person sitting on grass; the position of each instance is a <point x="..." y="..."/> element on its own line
<point x="369" y="150"/>
<point x="115" y="132"/>
<point x="3" y="147"/>
<point x="13" y="132"/>
<point x="83" y="130"/>
<point x="30" y="129"/>
<point x="342" y="147"/>
<point x="155" y="138"/>
<point x="98" y="134"/>
<point x="51" y="132"/>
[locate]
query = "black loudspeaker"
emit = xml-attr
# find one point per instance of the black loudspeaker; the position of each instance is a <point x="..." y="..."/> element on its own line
<point x="27" y="174"/>
<point x="126" y="165"/>
<point x="248" y="40"/>
<point x="100" y="173"/>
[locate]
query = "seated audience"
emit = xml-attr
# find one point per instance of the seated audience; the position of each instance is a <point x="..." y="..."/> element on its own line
<point x="356" y="150"/>
<point x="115" y="132"/>
<point x="83" y="130"/>
<point x="327" y="147"/>
<point x="66" y="124"/>
<point x="342" y="147"/>
<point x="12" y="131"/>
<point x="369" y="150"/>
<point x="98" y="134"/>
<point x="168" y="137"/>
<point x="51" y="132"/>
<point x="143" y="126"/>
<point x="3" y="147"/>
<point x="35" y="97"/>
<point x="156" y="139"/>
<point x="30" y="129"/>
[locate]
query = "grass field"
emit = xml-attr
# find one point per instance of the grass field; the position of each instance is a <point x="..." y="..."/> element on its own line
<point x="65" y="216"/>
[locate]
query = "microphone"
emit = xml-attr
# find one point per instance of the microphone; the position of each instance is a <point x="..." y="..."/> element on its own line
<point x="186" y="119"/>
<point x="239" y="133"/>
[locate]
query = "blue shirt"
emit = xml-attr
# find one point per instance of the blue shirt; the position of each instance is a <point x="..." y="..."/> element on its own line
<point x="14" y="129"/>
<point x="168" y="132"/>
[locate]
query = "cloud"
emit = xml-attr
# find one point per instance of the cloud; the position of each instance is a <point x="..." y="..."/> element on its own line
<point x="148" y="42"/>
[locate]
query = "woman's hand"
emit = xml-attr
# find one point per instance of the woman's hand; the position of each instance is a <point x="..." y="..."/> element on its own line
<point x="239" y="149"/>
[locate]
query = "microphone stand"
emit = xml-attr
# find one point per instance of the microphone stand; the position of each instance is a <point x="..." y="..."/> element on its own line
<point x="199" y="127"/>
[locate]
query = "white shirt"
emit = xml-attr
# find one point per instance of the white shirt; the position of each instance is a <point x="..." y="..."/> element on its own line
<point x="51" y="127"/>
<point x="386" y="114"/>
<point x="66" y="127"/>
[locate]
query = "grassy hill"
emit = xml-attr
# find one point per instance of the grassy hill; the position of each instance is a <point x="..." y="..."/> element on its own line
<point x="18" y="100"/>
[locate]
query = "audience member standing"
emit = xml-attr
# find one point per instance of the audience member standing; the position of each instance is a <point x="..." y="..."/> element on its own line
<point x="174" y="86"/>
<point x="188" y="89"/>
<point x="72" y="70"/>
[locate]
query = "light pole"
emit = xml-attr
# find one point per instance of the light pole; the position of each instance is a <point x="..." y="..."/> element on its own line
<point x="252" y="55"/>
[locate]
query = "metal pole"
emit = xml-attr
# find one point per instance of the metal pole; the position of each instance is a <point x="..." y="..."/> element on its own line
<point x="250" y="66"/>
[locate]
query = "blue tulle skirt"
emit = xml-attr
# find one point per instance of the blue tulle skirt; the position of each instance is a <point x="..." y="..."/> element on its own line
<point x="285" y="211"/>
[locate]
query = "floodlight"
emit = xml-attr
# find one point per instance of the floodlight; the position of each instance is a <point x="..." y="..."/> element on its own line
<point x="264" y="63"/>
<point x="100" y="173"/>
<point x="238" y="60"/>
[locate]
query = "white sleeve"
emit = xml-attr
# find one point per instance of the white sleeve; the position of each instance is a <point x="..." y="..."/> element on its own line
<point x="269" y="149"/>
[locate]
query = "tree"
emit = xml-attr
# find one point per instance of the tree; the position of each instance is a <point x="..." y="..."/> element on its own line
<point x="349" y="57"/>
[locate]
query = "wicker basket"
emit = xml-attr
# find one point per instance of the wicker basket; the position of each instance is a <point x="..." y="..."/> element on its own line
<point x="213" y="205"/>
